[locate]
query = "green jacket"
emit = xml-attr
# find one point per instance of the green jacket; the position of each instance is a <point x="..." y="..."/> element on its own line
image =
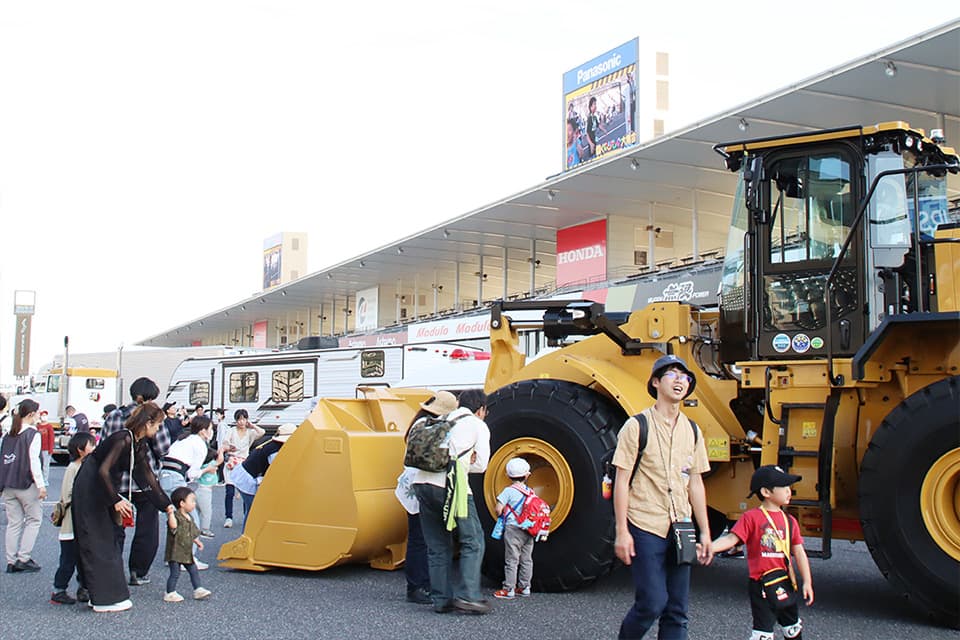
<point x="180" y="540"/>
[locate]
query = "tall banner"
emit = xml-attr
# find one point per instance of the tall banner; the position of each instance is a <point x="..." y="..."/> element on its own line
<point x="260" y="335"/>
<point x="366" y="312"/>
<point x="271" y="261"/>
<point x="21" y="346"/>
<point x="582" y="254"/>
<point x="600" y="105"/>
<point x="24" y="303"/>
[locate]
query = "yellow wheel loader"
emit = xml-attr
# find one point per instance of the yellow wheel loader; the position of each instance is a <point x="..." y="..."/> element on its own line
<point x="834" y="353"/>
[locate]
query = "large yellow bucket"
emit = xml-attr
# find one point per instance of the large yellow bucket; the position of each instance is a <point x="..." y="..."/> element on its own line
<point x="328" y="498"/>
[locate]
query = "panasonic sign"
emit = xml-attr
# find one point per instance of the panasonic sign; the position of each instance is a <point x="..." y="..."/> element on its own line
<point x="601" y="66"/>
<point x="598" y="70"/>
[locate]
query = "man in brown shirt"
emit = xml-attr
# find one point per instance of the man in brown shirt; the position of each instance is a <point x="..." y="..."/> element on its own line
<point x="667" y="487"/>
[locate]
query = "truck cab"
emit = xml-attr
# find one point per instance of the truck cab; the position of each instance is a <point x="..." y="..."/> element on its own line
<point x="832" y="233"/>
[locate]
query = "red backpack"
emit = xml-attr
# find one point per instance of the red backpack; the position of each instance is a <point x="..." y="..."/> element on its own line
<point x="534" y="515"/>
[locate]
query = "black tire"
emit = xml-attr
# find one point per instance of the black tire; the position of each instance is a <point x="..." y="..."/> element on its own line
<point x="582" y="425"/>
<point x="914" y="435"/>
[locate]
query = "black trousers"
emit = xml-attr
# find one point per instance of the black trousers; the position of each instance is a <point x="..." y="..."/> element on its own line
<point x="68" y="563"/>
<point x="146" y="535"/>
<point x="766" y="615"/>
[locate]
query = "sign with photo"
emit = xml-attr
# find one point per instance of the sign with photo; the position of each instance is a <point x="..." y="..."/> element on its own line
<point x="365" y="313"/>
<point x="271" y="261"/>
<point x="600" y="106"/>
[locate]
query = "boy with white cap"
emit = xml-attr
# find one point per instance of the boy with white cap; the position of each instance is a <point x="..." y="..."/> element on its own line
<point x="517" y="543"/>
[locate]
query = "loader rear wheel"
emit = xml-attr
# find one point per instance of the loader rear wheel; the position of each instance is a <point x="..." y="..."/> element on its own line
<point x="909" y="507"/>
<point x="564" y="431"/>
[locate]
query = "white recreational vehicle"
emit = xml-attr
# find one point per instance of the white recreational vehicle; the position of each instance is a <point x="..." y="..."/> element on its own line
<point x="281" y="387"/>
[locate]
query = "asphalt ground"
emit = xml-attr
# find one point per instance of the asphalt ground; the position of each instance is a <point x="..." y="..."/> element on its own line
<point x="852" y="601"/>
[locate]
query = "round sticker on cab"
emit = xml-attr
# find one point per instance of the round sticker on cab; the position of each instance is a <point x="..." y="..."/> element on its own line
<point x="781" y="343"/>
<point x="801" y="343"/>
<point x="816" y="342"/>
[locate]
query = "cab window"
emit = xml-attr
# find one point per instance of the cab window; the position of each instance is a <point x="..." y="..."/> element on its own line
<point x="95" y="383"/>
<point x="812" y="208"/>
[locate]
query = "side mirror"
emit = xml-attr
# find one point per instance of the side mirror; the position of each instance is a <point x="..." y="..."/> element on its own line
<point x="752" y="176"/>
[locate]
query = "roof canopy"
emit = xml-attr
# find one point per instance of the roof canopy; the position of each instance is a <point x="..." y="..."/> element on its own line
<point x="917" y="81"/>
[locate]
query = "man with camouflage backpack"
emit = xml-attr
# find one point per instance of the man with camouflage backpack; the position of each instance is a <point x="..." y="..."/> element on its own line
<point x="467" y="444"/>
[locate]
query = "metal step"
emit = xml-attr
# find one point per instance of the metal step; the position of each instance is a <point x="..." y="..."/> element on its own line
<point x="824" y="456"/>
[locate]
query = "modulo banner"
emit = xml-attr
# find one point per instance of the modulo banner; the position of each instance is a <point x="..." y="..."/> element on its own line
<point x="600" y="105"/>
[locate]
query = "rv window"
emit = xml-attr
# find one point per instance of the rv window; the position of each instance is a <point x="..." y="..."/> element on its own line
<point x="287" y="386"/>
<point x="372" y="364"/>
<point x="199" y="393"/>
<point x="95" y="383"/>
<point x="243" y="386"/>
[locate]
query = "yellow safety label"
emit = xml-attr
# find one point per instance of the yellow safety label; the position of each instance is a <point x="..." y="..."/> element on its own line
<point x="718" y="449"/>
<point x="809" y="429"/>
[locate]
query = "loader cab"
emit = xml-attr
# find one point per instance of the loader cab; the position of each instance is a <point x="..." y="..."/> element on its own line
<point x="795" y="221"/>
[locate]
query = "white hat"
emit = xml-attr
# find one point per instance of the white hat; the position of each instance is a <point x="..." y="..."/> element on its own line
<point x="517" y="468"/>
<point x="284" y="432"/>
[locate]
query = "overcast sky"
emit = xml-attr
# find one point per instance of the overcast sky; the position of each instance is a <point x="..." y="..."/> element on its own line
<point x="148" y="148"/>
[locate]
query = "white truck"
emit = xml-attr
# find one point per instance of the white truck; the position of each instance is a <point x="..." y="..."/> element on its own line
<point x="87" y="389"/>
<point x="156" y="363"/>
<point x="284" y="386"/>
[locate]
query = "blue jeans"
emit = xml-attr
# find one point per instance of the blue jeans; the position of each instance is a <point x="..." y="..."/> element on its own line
<point x="247" y="499"/>
<point x="415" y="565"/>
<point x="228" y="494"/>
<point x="662" y="589"/>
<point x="440" y="547"/>
<point x="175" y="574"/>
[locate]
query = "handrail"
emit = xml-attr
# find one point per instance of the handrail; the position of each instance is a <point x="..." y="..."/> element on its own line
<point x="828" y="298"/>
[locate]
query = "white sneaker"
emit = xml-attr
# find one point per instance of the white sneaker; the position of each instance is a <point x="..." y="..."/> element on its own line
<point x="201" y="566"/>
<point x="200" y="593"/>
<point x="228" y="523"/>
<point x="173" y="596"/>
<point x="523" y="592"/>
<point x="113" y="608"/>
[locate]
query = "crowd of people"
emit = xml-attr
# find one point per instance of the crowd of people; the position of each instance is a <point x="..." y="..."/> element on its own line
<point x="150" y="461"/>
<point x="660" y="458"/>
<point x="145" y="461"/>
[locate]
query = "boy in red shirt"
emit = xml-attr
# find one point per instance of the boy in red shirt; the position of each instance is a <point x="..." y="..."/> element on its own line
<point x="770" y="535"/>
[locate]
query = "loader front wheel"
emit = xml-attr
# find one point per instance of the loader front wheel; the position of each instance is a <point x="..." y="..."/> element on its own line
<point x="909" y="508"/>
<point x="564" y="431"/>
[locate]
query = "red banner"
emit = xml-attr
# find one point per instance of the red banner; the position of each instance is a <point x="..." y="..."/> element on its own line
<point x="260" y="334"/>
<point x="582" y="254"/>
